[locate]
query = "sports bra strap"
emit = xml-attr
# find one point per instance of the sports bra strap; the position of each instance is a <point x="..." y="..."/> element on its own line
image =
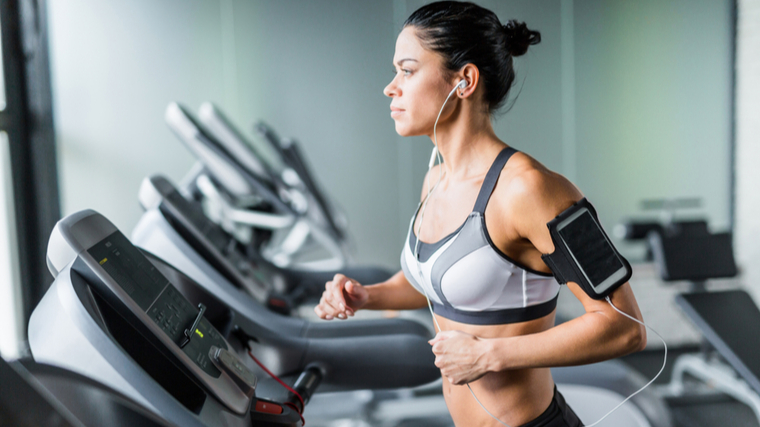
<point x="489" y="182"/>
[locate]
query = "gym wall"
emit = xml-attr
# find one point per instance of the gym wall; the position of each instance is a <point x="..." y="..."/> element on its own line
<point x="630" y="100"/>
<point x="748" y="143"/>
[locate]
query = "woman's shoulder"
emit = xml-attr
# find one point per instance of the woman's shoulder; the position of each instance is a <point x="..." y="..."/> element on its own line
<point x="526" y="185"/>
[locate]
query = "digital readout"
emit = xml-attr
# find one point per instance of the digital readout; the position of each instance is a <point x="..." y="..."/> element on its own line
<point x="157" y="297"/>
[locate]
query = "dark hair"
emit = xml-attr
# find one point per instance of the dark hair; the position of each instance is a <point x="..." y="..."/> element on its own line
<point x="465" y="33"/>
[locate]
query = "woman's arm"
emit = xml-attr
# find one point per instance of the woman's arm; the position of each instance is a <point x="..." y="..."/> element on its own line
<point x="536" y="197"/>
<point x="600" y="334"/>
<point x="395" y="293"/>
<point x="343" y="296"/>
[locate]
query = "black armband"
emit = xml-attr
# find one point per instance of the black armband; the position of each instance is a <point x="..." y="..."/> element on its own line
<point x="584" y="254"/>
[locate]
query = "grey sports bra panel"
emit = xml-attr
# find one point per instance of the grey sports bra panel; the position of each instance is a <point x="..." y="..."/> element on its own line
<point x="468" y="279"/>
<point x="426" y="250"/>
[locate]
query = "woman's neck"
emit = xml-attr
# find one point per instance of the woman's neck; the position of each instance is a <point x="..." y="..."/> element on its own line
<point x="467" y="143"/>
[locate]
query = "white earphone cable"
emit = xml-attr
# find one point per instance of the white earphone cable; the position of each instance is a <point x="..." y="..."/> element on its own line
<point x="664" y="361"/>
<point x="436" y="155"/>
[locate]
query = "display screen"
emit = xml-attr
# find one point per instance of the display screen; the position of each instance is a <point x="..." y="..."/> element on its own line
<point x="129" y="268"/>
<point x="590" y="248"/>
<point x="157" y="297"/>
<point x="213" y="233"/>
<point x="189" y="220"/>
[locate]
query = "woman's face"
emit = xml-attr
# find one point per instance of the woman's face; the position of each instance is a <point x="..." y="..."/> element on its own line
<point x="419" y="87"/>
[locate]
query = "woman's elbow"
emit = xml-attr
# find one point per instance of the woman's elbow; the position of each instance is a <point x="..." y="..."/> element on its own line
<point x="636" y="339"/>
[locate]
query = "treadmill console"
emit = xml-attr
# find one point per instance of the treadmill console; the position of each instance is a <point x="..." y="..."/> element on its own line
<point x="158" y="298"/>
<point x="209" y="239"/>
<point x="132" y="284"/>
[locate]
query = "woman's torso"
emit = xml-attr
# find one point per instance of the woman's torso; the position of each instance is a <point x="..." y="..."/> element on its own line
<point x="515" y="396"/>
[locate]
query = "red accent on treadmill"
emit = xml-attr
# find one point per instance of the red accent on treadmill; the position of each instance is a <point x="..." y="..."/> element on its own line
<point x="268" y="407"/>
<point x="277" y="302"/>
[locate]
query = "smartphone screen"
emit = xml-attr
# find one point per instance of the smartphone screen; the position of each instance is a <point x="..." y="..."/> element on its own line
<point x="590" y="248"/>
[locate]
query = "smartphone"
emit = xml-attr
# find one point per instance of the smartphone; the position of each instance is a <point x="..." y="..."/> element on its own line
<point x="591" y="250"/>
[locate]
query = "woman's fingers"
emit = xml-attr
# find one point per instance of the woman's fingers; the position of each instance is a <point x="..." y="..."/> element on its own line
<point x="332" y="304"/>
<point x="457" y="355"/>
<point x="337" y="298"/>
<point x="355" y="293"/>
<point x="321" y="313"/>
<point x="341" y="297"/>
<point x="328" y="305"/>
<point x="440" y="336"/>
<point x="334" y="297"/>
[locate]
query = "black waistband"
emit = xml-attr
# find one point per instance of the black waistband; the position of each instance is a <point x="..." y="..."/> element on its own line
<point x="558" y="414"/>
<point x="496" y="317"/>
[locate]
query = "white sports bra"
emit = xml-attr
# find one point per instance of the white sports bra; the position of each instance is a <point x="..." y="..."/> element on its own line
<point x="469" y="280"/>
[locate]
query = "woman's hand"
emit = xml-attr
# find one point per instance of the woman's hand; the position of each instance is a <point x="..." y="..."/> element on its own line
<point x="461" y="357"/>
<point x="341" y="298"/>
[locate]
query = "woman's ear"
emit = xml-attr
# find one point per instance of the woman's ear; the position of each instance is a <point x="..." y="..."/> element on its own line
<point x="471" y="75"/>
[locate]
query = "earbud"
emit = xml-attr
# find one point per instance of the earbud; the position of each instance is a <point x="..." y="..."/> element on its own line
<point x="462" y="84"/>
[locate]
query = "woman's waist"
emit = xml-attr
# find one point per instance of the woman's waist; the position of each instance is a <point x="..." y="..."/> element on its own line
<point x="516" y="397"/>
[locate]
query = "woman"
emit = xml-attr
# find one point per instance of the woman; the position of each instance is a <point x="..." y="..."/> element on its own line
<point x="494" y="297"/>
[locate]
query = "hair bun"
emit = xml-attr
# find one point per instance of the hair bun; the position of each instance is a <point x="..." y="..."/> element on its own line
<point x="519" y="37"/>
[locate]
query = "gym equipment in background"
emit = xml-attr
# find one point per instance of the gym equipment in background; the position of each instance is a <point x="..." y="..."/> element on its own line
<point x="136" y="324"/>
<point x="171" y="221"/>
<point x="299" y="234"/>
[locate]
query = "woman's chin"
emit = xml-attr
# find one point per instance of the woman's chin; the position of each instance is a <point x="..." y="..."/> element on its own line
<point x="403" y="130"/>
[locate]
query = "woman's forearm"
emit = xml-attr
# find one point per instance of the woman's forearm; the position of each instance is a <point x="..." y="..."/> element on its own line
<point x="395" y="293"/>
<point x="590" y="338"/>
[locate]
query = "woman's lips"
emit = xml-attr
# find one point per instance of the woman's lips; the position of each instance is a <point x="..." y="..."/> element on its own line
<point x="395" y="112"/>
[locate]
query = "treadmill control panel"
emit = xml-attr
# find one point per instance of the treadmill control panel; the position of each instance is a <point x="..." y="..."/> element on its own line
<point x="159" y="299"/>
<point x="218" y="238"/>
<point x="222" y="242"/>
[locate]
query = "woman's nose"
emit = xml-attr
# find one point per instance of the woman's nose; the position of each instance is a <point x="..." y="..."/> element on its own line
<point x="391" y="90"/>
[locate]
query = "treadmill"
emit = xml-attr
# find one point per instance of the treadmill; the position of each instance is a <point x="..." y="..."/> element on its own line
<point x="300" y="236"/>
<point x="125" y="318"/>
<point x="287" y="151"/>
<point x="172" y="222"/>
<point x="37" y="395"/>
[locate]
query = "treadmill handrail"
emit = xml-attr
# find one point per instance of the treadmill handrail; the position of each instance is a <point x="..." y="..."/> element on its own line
<point x="216" y="158"/>
<point x="234" y="141"/>
<point x="289" y="150"/>
<point x="291" y="242"/>
<point x="268" y="221"/>
<point x="298" y="162"/>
